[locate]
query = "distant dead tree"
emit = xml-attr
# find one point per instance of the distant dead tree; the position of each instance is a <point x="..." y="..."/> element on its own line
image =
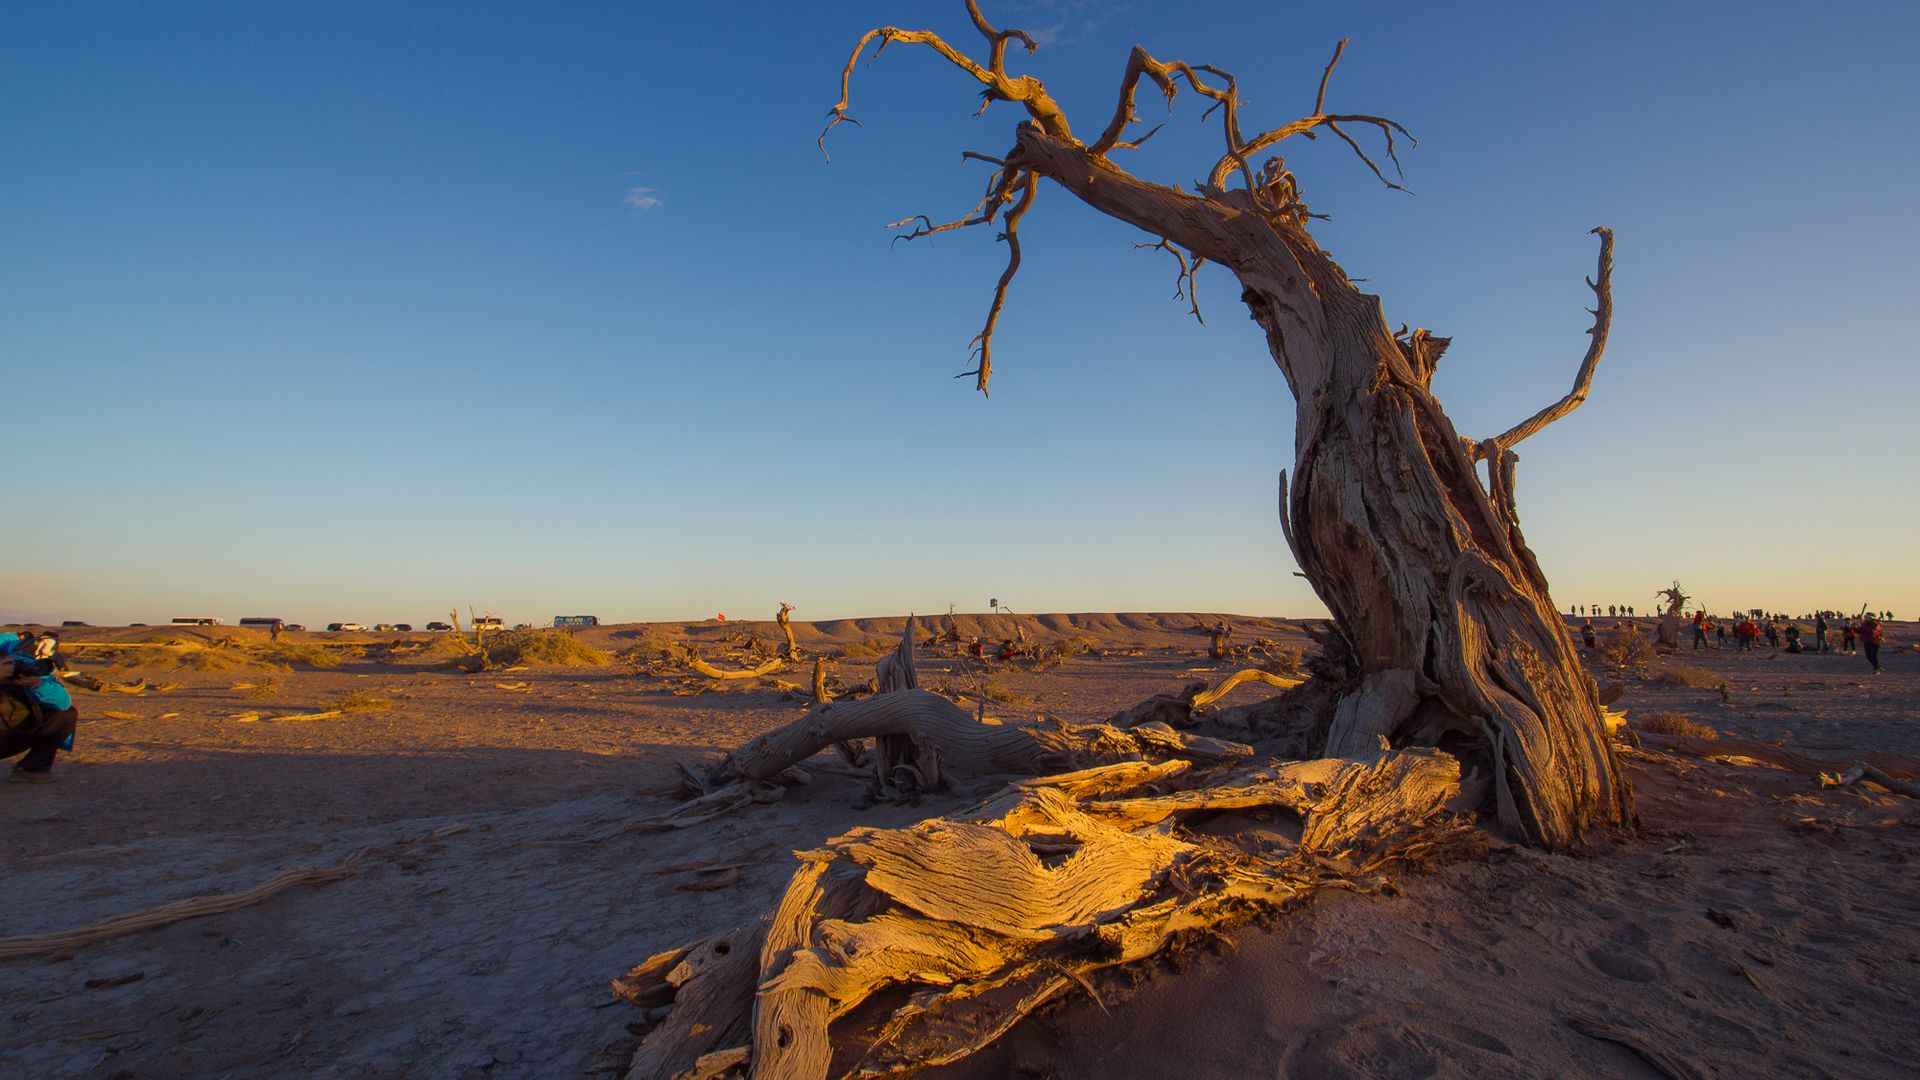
<point x="1423" y="566"/>
<point x="1667" y="633"/>
<point x="786" y="627"/>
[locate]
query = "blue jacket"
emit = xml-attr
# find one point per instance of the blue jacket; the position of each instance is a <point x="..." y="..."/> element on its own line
<point x="47" y="691"/>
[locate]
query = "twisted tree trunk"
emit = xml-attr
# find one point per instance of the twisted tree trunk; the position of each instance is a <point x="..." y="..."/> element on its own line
<point x="1424" y="569"/>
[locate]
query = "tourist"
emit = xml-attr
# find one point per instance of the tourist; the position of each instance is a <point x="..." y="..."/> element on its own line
<point x="38" y="717"/>
<point x="1871" y="638"/>
<point x="1586" y="633"/>
<point x="1699" y="630"/>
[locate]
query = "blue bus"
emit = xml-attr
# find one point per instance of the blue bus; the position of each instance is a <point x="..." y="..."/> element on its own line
<point x="576" y="620"/>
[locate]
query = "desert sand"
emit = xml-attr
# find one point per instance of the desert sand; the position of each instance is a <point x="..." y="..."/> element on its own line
<point x="1757" y="924"/>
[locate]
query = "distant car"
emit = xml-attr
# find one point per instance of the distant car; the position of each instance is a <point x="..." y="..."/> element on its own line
<point x="264" y="622"/>
<point x="345" y="627"/>
<point x="489" y="622"/>
<point x="292" y="626"/>
<point x="404" y="627"/>
<point x="382" y="627"/>
<point x="523" y="626"/>
<point x="134" y="624"/>
<point x="72" y="622"/>
<point x="576" y="620"/>
<point x="197" y="620"/>
<point x="438" y="626"/>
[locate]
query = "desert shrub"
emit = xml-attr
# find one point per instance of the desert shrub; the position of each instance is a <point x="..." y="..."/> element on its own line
<point x="1688" y="677"/>
<point x="363" y="701"/>
<point x="1673" y="723"/>
<point x="553" y="647"/>
<point x="1075" y="646"/>
<point x="1628" y="649"/>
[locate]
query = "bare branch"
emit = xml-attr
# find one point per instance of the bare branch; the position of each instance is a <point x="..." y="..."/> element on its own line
<point x="998" y="194"/>
<point x="1186" y="286"/>
<point x="1583" y="379"/>
<point x="984" y="339"/>
<point x="1320" y="99"/>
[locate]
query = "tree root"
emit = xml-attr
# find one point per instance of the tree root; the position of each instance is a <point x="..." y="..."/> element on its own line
<point x="895" y="949"/>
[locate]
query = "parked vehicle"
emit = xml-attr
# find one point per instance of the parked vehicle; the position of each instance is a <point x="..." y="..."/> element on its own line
<point x="72" y="622"/>
<point x="292" y="626"/>
<point x="438" y="626"/>
<point x="489" y="622"/>
<point x="264" y="622"/>
<point x="576" y="620"/>
<point x="345" y="627"/>
<point x="404" y="627"/>
<point x="198" y="620"/>
<point x="382" y="627"/>
<point x="134" y="624"/>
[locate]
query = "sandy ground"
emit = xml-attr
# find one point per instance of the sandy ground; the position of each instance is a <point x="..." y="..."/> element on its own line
<point x="1759" y="925"/>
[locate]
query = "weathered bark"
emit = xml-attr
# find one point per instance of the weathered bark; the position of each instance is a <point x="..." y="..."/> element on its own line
<point x="991" y="915"/>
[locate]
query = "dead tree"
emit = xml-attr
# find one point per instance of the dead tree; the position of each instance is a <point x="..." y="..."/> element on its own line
<point x="786" y="627"/>
<point x="1667" y="634"/>
<point x="1444" y="608"/>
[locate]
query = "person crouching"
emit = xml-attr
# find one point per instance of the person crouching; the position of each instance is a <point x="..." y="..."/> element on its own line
<point x="37" y="717"/>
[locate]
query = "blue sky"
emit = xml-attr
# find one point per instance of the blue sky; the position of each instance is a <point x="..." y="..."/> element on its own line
<point x="357" y="311"/>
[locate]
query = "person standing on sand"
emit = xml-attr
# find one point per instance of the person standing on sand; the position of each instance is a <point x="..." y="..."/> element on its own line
<point x="1820" y="632"/>
<point x="1846" y="637"/>
<point x="1871" y="637"/>
<point x="1586" y="633"/>
<point x="1699" y="630"/>
<point x="38" y="718"/>
<point x="1773" y="634"/>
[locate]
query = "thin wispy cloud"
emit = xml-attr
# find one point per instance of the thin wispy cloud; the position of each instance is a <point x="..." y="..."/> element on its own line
<point x="1062" y="21"/>
<point x="642" y="198"/>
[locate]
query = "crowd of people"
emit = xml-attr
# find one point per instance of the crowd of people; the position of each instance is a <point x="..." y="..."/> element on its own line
<point x="37" y="717"/>
<point x="1831" y="631"/>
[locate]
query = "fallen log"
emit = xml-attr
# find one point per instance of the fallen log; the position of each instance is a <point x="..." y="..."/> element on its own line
<point x="712" y="672"/>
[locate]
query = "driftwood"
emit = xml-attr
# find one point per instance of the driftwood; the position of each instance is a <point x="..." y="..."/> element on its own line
<point x="970" y="923"/>
<point x="711" y="672"/>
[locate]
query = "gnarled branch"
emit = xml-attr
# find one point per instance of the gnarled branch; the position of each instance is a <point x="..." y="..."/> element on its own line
<point x="1602" y="312"/>
<point x="999" y="86"/>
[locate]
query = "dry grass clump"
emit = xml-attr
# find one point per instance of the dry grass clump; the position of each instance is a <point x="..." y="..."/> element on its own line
<point x="552" y="647"/>
<point x="363" y="701"/>
<point x="1688" y="677"/>
<point x="1673" y="723"/>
